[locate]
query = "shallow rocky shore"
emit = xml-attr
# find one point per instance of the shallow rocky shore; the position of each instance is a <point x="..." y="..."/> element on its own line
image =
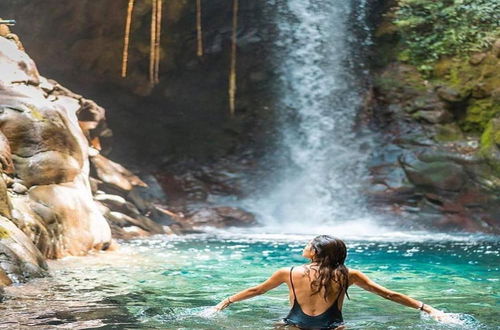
<point x="59" y="193"/>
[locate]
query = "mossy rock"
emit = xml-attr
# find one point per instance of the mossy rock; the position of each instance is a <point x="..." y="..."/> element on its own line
<point x="479" y="113"/>
<point x="448" y="133"/>
<point x="490" y="145"/>
<point x="491" y="135"/>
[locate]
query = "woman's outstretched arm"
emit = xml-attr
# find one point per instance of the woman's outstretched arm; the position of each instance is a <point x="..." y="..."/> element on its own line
<point x="272" y="282"/>
<point x="358" y="278"/>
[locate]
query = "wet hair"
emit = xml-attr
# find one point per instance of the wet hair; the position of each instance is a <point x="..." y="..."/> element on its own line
<point x="330" y="254"/>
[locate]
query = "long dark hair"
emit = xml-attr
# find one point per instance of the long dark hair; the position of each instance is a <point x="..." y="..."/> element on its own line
<point x="330" y="254"/>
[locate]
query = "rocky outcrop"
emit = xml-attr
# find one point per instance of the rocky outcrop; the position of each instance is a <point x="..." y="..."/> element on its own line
<point x="437" y="161"/>
<point x="49" y="154"/>
<point x="53" y="175"/>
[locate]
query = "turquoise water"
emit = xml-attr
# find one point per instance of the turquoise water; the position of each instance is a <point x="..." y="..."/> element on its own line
<point x="168" y="282"/>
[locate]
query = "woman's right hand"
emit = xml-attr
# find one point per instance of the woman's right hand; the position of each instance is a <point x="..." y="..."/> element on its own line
<point x="223" y="304"/>
<point x="436" y="314"/>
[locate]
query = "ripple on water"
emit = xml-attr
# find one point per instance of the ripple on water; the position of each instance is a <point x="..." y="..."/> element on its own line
<point x="167" y="282"/>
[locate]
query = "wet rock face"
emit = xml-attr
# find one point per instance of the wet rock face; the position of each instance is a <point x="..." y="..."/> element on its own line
<point x="436" y="164"/>
<point x="49" y="153"/>
<point x="20" y="260"/>
<point x="48" y="137"/>
<point x="222" y="217"/>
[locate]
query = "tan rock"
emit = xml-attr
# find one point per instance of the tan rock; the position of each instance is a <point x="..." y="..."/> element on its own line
<point x="45" y="148"/>
<point x="19" y="258"/>
<point x="434" y="117"/>
<point x="81" y="224"/>
<point x="15" y="65"/>
<point x="222" y="216"/>
<point x="19" y="188"/>
<point x="114" y="174"/>
<point x="7" y="166"/>
<point x="142" y="222"/>
<point x="477" y="58"/>
<point x="496" y="48"/>
<point x="5" y="203"/>
<point x="4" y="279"/>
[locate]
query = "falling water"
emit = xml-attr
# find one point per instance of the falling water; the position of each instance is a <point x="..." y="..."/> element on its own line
<point x="319" y="169"/>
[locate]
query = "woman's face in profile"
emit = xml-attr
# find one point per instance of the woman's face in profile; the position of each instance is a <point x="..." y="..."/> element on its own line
<point x="308" y="251"/>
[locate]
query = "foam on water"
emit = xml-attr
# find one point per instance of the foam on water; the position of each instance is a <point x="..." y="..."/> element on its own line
<point x="365" y="232"/>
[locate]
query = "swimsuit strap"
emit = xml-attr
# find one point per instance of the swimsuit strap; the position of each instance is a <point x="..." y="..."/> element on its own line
<point x="291" y="282"/>
<point x="336" y="302"/>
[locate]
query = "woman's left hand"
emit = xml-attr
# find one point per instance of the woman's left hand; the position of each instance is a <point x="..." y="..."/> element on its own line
<point x="223" y="304"/>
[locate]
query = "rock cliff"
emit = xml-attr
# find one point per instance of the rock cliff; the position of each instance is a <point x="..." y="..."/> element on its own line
<point x="437" y="112"/>
<point x="58" y="193"/>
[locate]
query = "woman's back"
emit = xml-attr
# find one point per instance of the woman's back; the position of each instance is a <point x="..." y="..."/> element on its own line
<point x="313" y="311"/>
<point x="312" y="304"/>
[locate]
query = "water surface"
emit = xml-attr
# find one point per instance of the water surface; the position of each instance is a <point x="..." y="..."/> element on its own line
<point x="168" y="282"/>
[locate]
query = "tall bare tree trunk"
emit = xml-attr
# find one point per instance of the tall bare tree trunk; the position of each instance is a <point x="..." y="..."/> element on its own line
<point x="157" y="41"/>
<point x="126" y="37"/>
<point x="152" y="51"/>
<point x="232" y="74"/>
<point x="199" y="33"/>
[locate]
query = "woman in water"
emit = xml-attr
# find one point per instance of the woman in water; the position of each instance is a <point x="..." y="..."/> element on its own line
<point x="317" y="289"/>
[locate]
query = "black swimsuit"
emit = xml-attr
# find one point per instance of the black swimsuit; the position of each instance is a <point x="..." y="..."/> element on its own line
<point x="329" y="319"/>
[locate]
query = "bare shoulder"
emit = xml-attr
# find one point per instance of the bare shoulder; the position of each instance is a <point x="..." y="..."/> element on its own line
<point x="354" y="272"/>
<point x="355" y="275"/>
<point x="283" y="271"/>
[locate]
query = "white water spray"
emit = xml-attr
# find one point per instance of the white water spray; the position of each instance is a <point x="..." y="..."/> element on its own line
<point x="318" y="177"/>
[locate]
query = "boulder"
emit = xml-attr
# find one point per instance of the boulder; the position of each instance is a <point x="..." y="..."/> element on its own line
<point x="490" y="146"/>
<point x="19" y="188"/>
<point x="75" y="216"/>
<point x="7" y="166"/>
<point x="114" y="174"/>
<point x="49" y="153"/>
<point x="222" y="217"/>
<point x="5" y="203"/>
<point x="496" y="48"/>
<point x="117" y="203"/>
<point x="477" y="58"/>
<point x="45" y="150"/>
<point x="20" y="260"/>
<point x="434" y="117"/>
<point x="450" y="94"/>
<point x="440" y="175"/>
<point x="146" y="224"/>
<point x="16" y="65"/>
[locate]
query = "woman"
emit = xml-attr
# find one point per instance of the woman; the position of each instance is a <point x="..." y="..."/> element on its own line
<point x="317" y="290"/>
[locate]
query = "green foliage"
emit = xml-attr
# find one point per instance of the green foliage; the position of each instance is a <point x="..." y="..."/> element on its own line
<point x="430" y="29"/>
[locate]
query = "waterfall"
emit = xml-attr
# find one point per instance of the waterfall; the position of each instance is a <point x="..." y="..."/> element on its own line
<point x="318" y="164"/>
